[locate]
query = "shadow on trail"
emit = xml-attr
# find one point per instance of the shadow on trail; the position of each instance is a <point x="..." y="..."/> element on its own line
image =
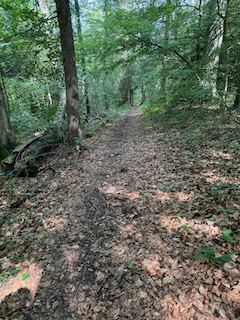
<point x="119" y="250"/>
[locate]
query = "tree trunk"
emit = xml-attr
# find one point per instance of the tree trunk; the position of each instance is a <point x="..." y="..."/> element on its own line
<point x="143" y="93"/>
<point x="59" y="116"/>
<point x="69" y="63"/>
<point x="6" y="132"/>
<point x="105" y="91"/>
<point x="96" y="95"/>
<point x="166" y="39"/>
<point x="80" y="37"/>
<point x="106" y="5"/>
<point x="222" y="79"/>
<point x="129" y="88"/>
<point x="215" y="36"/>
<point x="236" y="103"/>
<point x="43" y="4"/>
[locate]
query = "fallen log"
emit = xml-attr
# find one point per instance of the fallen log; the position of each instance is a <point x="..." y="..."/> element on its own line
<point x="23" y="158"/>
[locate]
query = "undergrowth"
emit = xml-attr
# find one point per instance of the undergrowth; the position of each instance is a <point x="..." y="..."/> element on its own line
<point x="201" y="130"/>
<point x="195" y="124"/>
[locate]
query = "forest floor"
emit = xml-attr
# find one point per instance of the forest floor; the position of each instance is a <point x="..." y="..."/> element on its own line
<point x="110" y="232"/>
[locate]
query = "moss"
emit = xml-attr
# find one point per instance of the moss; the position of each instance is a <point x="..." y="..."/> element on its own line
<point x="29" y="155"/>
<point x="3" y="153"/>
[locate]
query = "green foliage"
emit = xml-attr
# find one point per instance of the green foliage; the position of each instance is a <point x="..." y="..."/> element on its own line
<point x="13" y="271"/>
<point x="177" y="216"/>
<point x="79" y="144"/>
<point x="132" y="265"/>
<point x="210" y="254"/>
<point x="227" y="236"/>
<point x="3" y="153"/>
<point x="185" y="226"/>
<point x="25" y="275"/>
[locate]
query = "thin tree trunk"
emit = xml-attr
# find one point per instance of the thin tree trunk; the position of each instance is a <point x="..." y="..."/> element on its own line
<point x="104" y="62"/>
<point x="129" y="87"/>
<point x="223" y="57"/>
<point x="215" y="36"/>
<point x="43" y="4"/>
<point x="69" y="63"/>
<point x="236" y="103"/>
<point x="237" y="98"/>
<point x="6" y="132"/>
<point x="96" y="92"/>
<point x="143" y="93"/>
<point x="105" y="91"/>
<point x="166" y="39"/>
<point x="80" y="37"/>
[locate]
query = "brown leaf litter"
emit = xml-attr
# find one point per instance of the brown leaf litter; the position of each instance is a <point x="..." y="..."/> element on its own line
<point x="111" y="231"/>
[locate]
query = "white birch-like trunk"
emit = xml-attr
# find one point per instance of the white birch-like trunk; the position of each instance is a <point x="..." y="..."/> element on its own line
<point x="215" y="39"/>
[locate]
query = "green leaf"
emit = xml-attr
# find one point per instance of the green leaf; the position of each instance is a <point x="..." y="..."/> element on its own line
<point x="226" y="257"/>
<point x="177" y="216"/>
<point x="198" y="255"/>
<point x="227" y="232"/>
<point x="223" y="178"/>
<point x="209" y="219"/>
<point x="25" y="275"/>
<point x="185" y="226"/>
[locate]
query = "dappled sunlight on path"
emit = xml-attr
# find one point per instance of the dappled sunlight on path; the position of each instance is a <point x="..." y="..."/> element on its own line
<point x="118" y="227"/>
<point x="28" y="277"/>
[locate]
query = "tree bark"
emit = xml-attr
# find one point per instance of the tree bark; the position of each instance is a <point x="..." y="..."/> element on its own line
<point x="6" y="132"/>
<point x="129" y="87"/>
<point x="236" y="103"/>
<point x="80" y="36"/>
<point x="43" y="4"/>
<point x="143" y="92"/>
<point x="106" y="5"/>
<point x="215" y="39"/>
<point x="166" y="39"/>
<point x="69" y="64"/>
<point x="222" y="79"/>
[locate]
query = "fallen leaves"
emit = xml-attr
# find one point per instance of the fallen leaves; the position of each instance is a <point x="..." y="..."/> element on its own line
<point x="118" y="240"/>
<point x="28" y="277"/>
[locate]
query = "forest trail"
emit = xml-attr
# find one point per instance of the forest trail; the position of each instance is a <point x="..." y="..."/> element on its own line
<point x="112" y="240"/>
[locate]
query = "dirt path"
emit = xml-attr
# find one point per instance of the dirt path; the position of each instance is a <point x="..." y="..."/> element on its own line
<point x="113" y="249"/>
